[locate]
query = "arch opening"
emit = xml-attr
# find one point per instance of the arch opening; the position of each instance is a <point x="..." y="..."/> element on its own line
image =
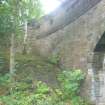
<point x="100" y="46"/>
<point x="98" y="66"/>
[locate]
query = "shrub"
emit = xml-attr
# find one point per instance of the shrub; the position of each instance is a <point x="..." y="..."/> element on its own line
<point x="67" y="94"/>
<point x="70" y="82"/>
<point x="5" y="79"/>
<point x="54" y="59"/>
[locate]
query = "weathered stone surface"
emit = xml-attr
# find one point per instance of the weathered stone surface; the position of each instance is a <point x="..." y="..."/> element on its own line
<point x="64" y="15"/>
<point x="75" y="42"/>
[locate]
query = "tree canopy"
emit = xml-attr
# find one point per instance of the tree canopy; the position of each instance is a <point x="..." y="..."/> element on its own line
<point x="13" y="13"/>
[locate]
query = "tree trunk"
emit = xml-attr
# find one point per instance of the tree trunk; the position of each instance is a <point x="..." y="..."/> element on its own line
<point x="25" y="27"/>
<point x="12" y="61"/>
<point x="25" y="37"/>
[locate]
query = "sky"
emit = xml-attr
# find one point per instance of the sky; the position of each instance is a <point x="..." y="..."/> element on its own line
<point x="50" y="5"/>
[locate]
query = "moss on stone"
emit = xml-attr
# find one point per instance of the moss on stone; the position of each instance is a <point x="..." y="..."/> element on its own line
<point x="35" y="68"/>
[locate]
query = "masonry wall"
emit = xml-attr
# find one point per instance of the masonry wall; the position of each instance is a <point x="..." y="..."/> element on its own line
<point x="75" y="42"/>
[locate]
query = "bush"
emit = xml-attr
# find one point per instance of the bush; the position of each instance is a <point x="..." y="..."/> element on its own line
<point x="70" y="82"/>
<point x="54" y="59"/>
<point x="67" y="94"/>
<point x="5" y="79"/>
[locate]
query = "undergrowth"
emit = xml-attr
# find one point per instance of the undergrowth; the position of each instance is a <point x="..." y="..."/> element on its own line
<point x="67" y="94"/>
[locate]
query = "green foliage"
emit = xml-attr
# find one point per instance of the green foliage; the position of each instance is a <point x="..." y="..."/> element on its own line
<point x="4" y="63"/>
<point x="18" y="98"/>
<point x="77" y="100"/>
<point x="13" y="14"/>
<point x="5" y="17"/>
<point x="54" y="59"/>
<point x="30" y="9"/>
<point x="42" y="88"/>
<point x="70" y="86"/>
<point x="21" y="86"/>
<point x="4" y="80"/>
<point x="42" y="94"/>
<point x="45" y="95"/>
<point x="70" y="82"/>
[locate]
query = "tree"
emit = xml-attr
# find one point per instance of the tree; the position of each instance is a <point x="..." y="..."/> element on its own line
<point x="29" y="9"/>
<point x="13" y="15"/>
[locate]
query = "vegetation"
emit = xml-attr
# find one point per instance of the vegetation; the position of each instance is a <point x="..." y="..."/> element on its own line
<point x="14" y="16"/>
<point x="67" y="94"/>
<point x="54" y="59"/>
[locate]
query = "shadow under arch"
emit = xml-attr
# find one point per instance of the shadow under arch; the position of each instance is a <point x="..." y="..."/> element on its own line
<point x="98" y="66"/>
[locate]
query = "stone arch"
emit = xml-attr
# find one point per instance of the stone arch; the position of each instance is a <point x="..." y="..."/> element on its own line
<point x="98" y="72"/>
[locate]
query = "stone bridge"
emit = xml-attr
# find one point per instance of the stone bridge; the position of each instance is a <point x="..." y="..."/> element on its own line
<point x="75" y="31"/>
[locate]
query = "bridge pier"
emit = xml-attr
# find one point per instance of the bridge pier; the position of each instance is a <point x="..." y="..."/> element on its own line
<point x="98" y="79"/>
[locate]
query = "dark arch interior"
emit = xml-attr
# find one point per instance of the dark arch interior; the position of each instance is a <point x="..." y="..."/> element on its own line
<point x="100" y="47"/>
<point x="99" y="69"/>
